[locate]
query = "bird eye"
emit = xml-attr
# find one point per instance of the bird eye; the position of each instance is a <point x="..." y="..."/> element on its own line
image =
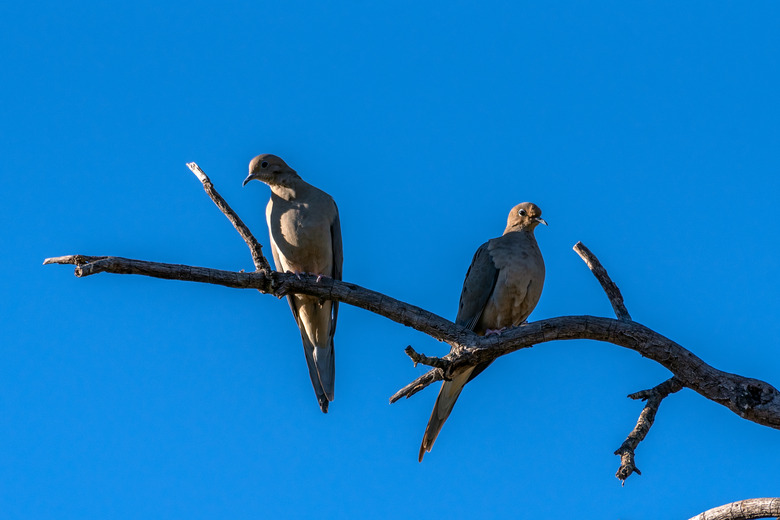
<point x="264" y="164"/>
<point x="521" y="212"/>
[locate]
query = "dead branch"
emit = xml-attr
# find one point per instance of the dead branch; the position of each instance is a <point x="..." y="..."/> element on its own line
<point x="743" y="510"/>
<point x="418" y="384"/>
<point x="613" y="293"/>
<point x="255" y="249"/>
<point x="749" y="398"/>
<point x="278" y="284"/>
<point x="654" y="396"/>
<point x="440" y="363"/>
<point x="752" y="399"/>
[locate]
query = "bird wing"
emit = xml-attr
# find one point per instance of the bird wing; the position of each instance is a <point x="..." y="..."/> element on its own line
<point x="338" y="260"/>
<point x="477" y="288"/>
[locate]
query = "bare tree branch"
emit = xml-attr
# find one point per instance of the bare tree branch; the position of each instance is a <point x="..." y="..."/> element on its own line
<point x="440" y="363"/>
<point x="613" y="293"/>
<point x="654" y="396"/>
<point x="749" y="398"/>
<point x="261" y="264"/>
<point x="278" y="284"/>
<point x="743" y="510"/>
<point x="418" y="384"/>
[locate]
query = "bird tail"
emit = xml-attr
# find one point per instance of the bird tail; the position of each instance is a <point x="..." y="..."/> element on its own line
<point x="325" y="359"/>
<point x="448" y="395"/>
<point x="322" y="371"/>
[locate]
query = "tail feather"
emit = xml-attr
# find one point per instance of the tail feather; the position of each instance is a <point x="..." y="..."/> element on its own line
<point x="314" y="374"/>
<point x="448" y="395"/>
<point x="315" y="323"/>
<point x="325" y="359"/>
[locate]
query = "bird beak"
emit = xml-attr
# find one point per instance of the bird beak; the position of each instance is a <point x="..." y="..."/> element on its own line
<point x="250" y="177"/>
<point x="540" y="220"/>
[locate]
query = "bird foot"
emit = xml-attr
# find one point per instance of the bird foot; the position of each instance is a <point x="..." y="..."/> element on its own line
<point x="305" y="273"/>
<point x="491" y="332"/>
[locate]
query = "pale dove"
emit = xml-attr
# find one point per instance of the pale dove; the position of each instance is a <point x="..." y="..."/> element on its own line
<point x="502" y="287"/>
<point x="303" y="223"/>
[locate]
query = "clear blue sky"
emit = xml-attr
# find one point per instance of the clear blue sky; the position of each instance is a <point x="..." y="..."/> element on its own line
<point x="647" y="130"/>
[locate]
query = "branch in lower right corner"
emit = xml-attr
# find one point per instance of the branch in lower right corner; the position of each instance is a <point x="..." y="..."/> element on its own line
<point x="744" y="509"/>
<point x="613" y="293"/>
<point x="653" y="396"/>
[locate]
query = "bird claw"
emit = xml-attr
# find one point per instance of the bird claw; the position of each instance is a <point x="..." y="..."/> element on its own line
<point x="305" y="273"/>
<point x="496" y="332"/>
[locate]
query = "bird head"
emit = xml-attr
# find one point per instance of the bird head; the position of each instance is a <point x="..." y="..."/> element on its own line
<point x="271" y="170"/>
<point x="524" y="216"/>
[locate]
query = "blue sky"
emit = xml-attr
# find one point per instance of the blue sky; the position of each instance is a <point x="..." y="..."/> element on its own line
<point x="647" y="130"/>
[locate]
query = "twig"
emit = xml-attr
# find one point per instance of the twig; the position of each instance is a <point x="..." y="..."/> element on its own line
<point x="613" y="293"/>
<point x="418" y="384"/>
<point x="261" y="264"/>
<point x="73" y="259"/>
<point x="653" y="396"/>
<point x="425" y="360"/>
<point x="743" y="510"/>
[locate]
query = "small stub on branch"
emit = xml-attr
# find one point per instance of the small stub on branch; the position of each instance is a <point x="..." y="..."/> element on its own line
<point x="199" y="173"/>
<point x="425" y="360"/>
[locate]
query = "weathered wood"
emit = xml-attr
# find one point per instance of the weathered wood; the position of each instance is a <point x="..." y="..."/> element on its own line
<point x="278" y="284"/>
<point x="255" y="249"/>
<point x="743" y="510"/>
<point x="654" y="396"/>
<point x="612" y="291"/>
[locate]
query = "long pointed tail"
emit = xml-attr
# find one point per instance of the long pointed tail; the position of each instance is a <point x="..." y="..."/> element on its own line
<point x="315" y="322"/>
<point x="314" y="374"/>
<point x="325" y="359"/>
<point x="448" y="395"/>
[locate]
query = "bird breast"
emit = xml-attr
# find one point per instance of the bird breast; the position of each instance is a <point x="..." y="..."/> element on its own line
<point x="519" y="284"/>
<point x="301" y="237"/>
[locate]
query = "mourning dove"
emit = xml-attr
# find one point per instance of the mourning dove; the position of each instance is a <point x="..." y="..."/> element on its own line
<point x="303" y="223"/>
<point x="502" y="287"/>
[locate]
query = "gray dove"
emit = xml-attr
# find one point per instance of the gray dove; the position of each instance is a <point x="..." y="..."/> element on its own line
<point x="303" y="223"/>
<point x="502" y="287"/>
